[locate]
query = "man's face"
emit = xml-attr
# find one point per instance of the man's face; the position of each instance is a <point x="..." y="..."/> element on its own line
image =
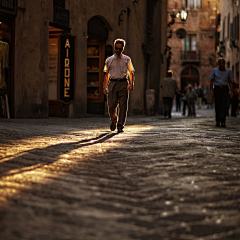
<point x="221" y="64"/>
<point x="118" y="48"/>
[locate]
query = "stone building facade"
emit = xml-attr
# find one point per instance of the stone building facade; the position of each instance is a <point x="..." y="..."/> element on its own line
<point x="55" y="52"/>
<point x="193" y="42"/>
<point x="228" y="46"/>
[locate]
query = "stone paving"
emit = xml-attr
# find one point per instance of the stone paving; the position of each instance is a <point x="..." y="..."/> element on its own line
<point x="73" y="179"/>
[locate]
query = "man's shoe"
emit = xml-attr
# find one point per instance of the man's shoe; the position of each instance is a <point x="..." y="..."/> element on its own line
<point x="217" y="124"/>
<point x="120" y="130"/>
<point x="113" y="126"/>
<point x="223" y="125"/>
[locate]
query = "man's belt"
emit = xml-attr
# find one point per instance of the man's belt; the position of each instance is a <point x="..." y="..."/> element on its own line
<point x="118" y="79"/>
<point x="221" y="86"/>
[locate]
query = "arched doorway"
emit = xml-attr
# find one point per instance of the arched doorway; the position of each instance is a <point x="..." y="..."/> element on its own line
<point x="190" y="75"/>
<point x="96" y="54"/>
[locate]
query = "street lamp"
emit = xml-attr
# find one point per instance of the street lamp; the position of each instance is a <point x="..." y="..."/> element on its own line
<point x="183" y="16"/>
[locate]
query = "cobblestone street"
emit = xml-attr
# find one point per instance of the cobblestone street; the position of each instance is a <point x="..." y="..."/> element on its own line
<point x="74" y="179"/>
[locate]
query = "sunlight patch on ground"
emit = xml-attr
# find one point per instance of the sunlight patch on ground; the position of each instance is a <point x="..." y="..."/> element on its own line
<point x="28" y="161"/>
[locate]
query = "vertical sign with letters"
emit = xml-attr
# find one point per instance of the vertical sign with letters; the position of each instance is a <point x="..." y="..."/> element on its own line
<point x="67" y="68"/>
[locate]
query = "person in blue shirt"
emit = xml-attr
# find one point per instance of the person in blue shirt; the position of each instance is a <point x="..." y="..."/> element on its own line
<point x="221" y="80"/>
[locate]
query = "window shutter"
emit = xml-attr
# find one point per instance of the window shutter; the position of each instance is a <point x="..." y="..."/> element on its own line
<point x="234" y="28"/>
<point x="237" y="26"/>
<point x="228" y="26"/>
<point x="223" y="30"/>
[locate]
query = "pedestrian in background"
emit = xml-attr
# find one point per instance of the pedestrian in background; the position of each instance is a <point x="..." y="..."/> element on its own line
<point x="178" y="98"/>
<point x="195" y="89"/>
<point x="184" y="99"/>
<point x="191" y="96"/>
<point x="199" y="96"/>
<point x="169" y="86"/>
<point x="234" y="100"/>
<point x="118" y="81"/>
<point x="222" y="79"/>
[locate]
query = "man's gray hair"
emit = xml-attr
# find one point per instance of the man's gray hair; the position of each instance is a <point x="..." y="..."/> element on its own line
<point x="121" y="41"/>
<point x="221" y="59"/>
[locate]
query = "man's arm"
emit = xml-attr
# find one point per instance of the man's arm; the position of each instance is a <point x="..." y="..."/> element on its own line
<point x="105" y="83"/>
<point x="131" y="84"/>
<point x="211" y="87"/>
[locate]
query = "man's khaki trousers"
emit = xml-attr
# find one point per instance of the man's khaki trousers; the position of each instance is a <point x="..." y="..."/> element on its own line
<point x="118" y="96"/>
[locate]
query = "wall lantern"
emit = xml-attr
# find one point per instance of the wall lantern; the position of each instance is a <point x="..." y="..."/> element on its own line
<point x="182" y="33"/>
<point x="183" y="15"/>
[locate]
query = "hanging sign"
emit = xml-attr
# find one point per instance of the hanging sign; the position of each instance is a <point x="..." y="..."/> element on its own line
<point x="8" y="6"/>
<point x="67" y="69"/>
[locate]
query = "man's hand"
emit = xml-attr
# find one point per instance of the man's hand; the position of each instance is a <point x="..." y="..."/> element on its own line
<point x="130" y="87"/>
<point x="105" y="91"/>
<point x="211" y="87"/>
<point x="211" y="92"/>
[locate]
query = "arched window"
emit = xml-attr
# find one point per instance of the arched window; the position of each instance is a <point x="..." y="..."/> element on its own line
<point x="97" y="28"/>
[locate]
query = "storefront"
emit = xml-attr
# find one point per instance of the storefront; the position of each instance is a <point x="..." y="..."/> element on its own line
<point x="97" y="52"/>
<point x="7" y="14"/>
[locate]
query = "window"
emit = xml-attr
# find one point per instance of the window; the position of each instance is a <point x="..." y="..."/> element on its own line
<point x="228" y="25"/>
<point x="231" y="31"/>
<point x="192" y="4"/>
<point x="191" y="42"/>
<point x="223" y="30"/>
<point x="184" y="3"/>
<point x="237" y="74"/>
<point x="234" y="28"/>
<point x="237" y="26"/>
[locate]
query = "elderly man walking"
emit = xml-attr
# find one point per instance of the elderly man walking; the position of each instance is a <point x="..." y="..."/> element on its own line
<point x="169" y="86"/>
<point x="118" y="81"/>
<point x="222" y="79"/>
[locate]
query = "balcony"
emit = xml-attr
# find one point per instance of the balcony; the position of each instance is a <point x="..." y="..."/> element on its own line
<point x="190" y="57"/>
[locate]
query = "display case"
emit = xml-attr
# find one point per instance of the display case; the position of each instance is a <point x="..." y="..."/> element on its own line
<point x="95" y="64"/>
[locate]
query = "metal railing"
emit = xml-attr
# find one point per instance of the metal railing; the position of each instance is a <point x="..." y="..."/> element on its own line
<point x="190" y="56"/>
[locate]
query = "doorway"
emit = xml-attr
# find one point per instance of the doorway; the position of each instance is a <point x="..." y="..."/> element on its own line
<point x="96" y="55"/>
<point x="6" y="68"/>
<point x="190" y="75"/>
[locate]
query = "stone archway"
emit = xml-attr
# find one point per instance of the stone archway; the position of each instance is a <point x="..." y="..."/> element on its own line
<point x="189" y="75"/>
<point x="98" y="27"/>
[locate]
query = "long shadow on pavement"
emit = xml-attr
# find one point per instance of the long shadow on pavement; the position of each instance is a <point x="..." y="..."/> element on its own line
<point x="25" y="160"/>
